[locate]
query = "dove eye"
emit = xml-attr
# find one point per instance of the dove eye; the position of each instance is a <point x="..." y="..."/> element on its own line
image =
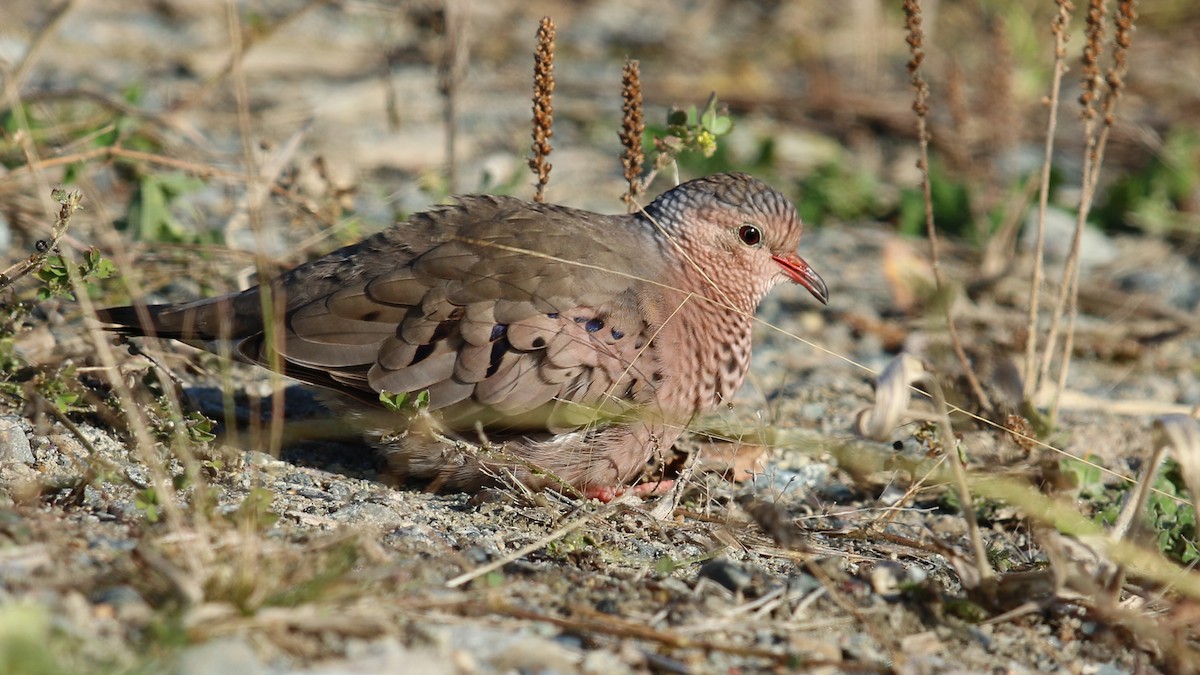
<point x="749" y="235"/>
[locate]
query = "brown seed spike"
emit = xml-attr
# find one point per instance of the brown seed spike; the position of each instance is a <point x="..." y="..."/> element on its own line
<point x="633" y="127"/>
<point x="543" y="108"/>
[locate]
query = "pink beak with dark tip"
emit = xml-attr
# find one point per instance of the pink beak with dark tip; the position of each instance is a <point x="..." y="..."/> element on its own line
<point x="799" y="272"/>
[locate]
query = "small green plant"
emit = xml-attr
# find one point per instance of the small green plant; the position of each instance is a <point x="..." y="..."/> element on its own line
<point x="690" y="136"/>
<point x="838" y="192"/>
<point x="197" y="428"/>
<point x="951" y="198"/>
<point x="1159" y="199"/>
<point x="1172" y="515"/>
<point x="255" y="509"/>
<point x="573" y="542"/>
<point x="695" y="130"/>
<point x="398" y="402"/>
<point x="55" y="274"/>
<point x="1169" y="511"/>
<point x="1086" y="476"/>
<point x="147" y="501"/>
<point x="151" y="217"/>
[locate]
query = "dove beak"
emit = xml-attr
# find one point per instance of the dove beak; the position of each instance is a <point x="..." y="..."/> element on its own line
<point x="799" y="271"/>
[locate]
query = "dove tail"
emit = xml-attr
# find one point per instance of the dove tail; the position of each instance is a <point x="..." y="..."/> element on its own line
<point x="210" y="319"/>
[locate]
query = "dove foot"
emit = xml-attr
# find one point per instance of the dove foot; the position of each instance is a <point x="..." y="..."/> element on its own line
<point x="607" y="493"/>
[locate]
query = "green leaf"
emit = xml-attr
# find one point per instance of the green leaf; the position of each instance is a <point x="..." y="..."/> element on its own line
<point x="391" y="401"/>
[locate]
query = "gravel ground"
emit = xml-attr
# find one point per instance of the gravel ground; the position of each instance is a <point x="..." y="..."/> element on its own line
<point x="312" y="558"/>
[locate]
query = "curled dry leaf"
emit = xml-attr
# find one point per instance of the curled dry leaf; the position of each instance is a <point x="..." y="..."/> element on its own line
<point x="892" y="396"/>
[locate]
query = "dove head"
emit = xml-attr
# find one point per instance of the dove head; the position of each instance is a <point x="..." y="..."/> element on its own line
<point x="738" y="232"/>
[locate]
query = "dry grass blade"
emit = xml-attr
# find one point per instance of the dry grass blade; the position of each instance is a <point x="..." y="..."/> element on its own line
<point x="543" y="106"/>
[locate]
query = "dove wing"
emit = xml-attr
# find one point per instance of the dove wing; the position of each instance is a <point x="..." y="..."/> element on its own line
<point x="515" y="317"/>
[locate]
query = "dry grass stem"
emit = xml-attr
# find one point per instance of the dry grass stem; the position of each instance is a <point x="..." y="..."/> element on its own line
<point x="892" y="405"/>
<point x="633" y="127"/>
<point x="543" y="106"/>
<point x="958" y="472"/>
<point x="244" y="43"/>
<point x="250" y="210"/>
<point x="530" y="548"/>
<point x="1059" y="28"/>
<point x="916" y="38"/>
<point x="1096" y="134"/>
<point x="451" y="70"/>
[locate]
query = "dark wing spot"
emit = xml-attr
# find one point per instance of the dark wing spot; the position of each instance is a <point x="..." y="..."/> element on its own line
<point x="658" y="376"/>
<point x="553" y="315"/>
<point x="442" y="331"/>
<point x="498" y="331"/>
<point x="617" y="335"/>
<point x="422" y="353"/>
<point x="370" y="316"/>
<point x="499" y="347"/>
<point x="580" y="319"/>
<point x="538" y="342"/>
<point x="594" y="325"/>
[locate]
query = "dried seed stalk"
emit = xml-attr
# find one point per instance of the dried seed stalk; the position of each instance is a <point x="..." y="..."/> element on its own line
<point x="1096" y="140"/>
<point x="633" y="126"/>
<point x="1059" y="26"/>
<point x="543" y="107"/>
<point x="916" y="47"/>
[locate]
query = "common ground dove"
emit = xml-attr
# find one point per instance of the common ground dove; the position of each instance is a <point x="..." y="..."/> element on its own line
<point x="579" y="344"/>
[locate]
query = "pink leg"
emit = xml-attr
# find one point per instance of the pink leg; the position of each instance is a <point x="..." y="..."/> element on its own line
<point x="607" y="493"/>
